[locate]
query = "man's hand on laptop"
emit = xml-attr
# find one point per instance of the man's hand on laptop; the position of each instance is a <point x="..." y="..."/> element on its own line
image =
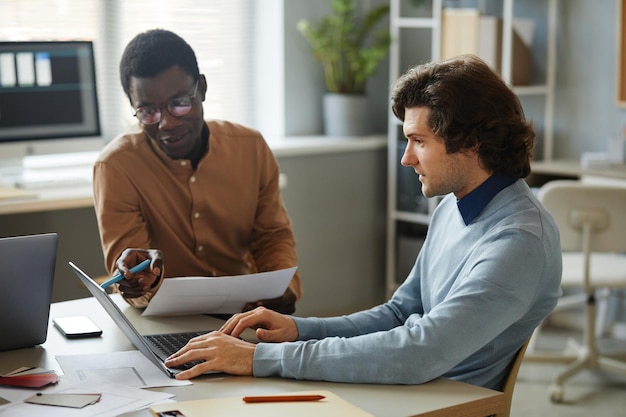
<point x="224" y="351"/>
<point x="137" y="284"/>
<point x="285" y="304"/>
<point x="270" y="326"/>
<point x="220" y="352"/>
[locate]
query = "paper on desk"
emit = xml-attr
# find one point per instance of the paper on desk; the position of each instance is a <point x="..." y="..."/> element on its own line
<point x="115" y="400"/>
<point x="227" y="295"/>
<point x="130" y="368"/>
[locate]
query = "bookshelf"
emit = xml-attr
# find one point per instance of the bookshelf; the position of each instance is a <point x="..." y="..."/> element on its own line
<point x="416" y="29"/>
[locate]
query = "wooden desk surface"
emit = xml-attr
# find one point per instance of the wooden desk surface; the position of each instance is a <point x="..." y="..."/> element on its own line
<point x="49" y="199"/>
<point x="438" y="398"/>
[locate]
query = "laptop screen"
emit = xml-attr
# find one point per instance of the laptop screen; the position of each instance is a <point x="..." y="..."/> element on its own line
<point x="27" y="274"/>
<point x="121" y="320"/>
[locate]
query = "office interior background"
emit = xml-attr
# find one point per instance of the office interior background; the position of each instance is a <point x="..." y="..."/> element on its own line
<point x="336" y="199"/>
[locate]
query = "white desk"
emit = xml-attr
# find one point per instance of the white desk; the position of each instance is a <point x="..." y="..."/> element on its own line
<point x="572" y="168"/>
<point x="50" y="199"/>
<point x="434" y="399"/>
<point x="62" y="198"/>
<point x="72" y="196"/>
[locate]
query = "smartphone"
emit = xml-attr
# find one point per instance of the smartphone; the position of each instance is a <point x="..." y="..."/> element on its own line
<point x="76" y="327"/>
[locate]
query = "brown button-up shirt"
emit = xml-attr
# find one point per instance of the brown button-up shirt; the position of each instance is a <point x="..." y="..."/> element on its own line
<point x="212" y="221"/>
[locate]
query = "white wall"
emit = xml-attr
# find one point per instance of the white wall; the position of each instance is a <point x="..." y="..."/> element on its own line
<point x="586" y="88"/>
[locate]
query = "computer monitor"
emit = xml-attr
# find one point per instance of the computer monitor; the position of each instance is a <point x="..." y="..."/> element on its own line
<point x="47" y="91"/>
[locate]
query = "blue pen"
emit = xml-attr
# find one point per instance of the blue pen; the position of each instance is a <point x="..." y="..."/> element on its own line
<point x="140" y="267"/>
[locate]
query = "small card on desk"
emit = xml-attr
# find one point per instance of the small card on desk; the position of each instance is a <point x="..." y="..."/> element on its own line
<point x="64" y="400"/>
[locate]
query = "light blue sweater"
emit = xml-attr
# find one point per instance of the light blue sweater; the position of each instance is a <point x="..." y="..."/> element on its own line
<point x="472" y="299"/>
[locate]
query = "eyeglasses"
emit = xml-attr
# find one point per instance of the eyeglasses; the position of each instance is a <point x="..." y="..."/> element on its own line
<point x="179" y="106"/>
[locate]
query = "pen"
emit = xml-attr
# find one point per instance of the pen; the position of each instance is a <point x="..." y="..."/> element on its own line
<point x="140" y="267"/>
<point x="280" y="398"/>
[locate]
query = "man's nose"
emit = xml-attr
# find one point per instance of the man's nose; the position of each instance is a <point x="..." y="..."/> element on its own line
<point x="408" y="158"/>
<point x="168" y="121"/>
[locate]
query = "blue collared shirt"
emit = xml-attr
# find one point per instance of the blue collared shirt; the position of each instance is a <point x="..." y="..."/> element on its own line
<point x="473" y="203"/>
<point x="474" y="296"/>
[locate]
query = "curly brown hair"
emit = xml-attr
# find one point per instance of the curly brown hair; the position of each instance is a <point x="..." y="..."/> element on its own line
<point x="470" y="106"/>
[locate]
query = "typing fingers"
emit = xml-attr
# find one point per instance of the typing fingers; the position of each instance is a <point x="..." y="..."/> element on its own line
<point x="220" y="352"/>
<point x="239" y="322"/>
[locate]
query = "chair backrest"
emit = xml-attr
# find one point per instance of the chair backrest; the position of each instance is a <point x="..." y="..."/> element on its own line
<point x="509" y="383"/>
<point x="572" y="203"/>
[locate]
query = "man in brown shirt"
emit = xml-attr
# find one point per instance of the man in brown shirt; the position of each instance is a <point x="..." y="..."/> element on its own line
<point x="196" y="197"/>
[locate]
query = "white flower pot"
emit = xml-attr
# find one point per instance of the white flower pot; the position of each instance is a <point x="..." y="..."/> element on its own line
<point x="345" y="115"/>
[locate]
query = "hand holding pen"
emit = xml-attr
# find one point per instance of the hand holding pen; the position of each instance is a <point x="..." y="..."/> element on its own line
<point x="117" y="278"/>
<point x="138" y="278"/>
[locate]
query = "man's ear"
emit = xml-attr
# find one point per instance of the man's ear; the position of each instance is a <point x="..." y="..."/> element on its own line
<point x="202" y="86"/>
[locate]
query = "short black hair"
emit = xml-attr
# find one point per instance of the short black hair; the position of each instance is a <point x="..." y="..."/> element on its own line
<point x="470" y="106"/>
<point x="154" y="51"/>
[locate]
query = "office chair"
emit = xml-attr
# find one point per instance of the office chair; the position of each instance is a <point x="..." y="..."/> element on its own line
<point x="592" y="221"/>
<point x="509" y="384"/>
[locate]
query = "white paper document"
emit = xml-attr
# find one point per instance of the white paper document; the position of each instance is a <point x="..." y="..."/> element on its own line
<point x="116" y="399"/>
<point x="224" y="295"/>
<point x="129" y="368"/>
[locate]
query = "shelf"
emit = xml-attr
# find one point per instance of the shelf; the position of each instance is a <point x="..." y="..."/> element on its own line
<point x="530" y="90"/>
<point x="415" y="22"/>
<point x="401" y="189"/>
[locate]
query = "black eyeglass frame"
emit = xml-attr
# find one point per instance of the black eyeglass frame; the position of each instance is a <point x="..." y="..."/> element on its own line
<point x="153" y="111"/>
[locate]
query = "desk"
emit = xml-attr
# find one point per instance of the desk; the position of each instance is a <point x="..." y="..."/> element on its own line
<point x="542" y="171"/>
<point x="50" y="199"/>
<point x="438" y="398"/>
<point x="63" y="198"/>
<point x="80" y="196"/>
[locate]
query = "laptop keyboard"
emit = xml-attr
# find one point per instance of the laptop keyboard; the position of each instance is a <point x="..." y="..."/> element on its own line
<point x="167" y="344"/>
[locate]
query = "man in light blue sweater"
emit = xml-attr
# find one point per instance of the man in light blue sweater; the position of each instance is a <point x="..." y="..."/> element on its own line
<point x="489" y="271"/>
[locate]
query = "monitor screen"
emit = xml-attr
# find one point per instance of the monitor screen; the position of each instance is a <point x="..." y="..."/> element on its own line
<point x="47" y="90"/>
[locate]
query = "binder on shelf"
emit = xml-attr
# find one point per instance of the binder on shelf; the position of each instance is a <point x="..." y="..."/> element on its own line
<point x="459" y="32"/>
<point x="467" y="31"/>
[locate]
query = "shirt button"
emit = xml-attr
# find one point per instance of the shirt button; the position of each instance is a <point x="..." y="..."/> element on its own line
<point x="192" y="179"/>
<point x="196" y="215"/>
<point x="183" y="163"/>
<point x="200" y="248"/>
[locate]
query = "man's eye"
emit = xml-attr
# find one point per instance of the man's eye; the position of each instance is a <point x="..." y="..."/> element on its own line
<point x="148" y="111"/>
<point x="181" y="102"/>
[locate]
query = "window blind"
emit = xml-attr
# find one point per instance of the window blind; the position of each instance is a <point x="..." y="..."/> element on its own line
<point x="220" y="32"/>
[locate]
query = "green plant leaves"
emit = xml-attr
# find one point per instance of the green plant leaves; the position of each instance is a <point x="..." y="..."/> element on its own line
<point x="340" y="43"/>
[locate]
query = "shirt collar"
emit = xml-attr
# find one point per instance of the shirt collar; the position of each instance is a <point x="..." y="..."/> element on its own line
<point x="472" y="204"/>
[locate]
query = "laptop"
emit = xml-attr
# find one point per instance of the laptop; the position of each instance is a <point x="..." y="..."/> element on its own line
<point x="26" y="275"/>
<point x="157" y="347"/>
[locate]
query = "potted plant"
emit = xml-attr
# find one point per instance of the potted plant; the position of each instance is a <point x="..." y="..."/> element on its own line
<point x="350" y="52"/>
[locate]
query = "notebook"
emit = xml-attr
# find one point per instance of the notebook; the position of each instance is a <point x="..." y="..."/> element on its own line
<point x="330" y="406"/>
<point x="152" y="346"/>
<point x="26" y="274"/>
